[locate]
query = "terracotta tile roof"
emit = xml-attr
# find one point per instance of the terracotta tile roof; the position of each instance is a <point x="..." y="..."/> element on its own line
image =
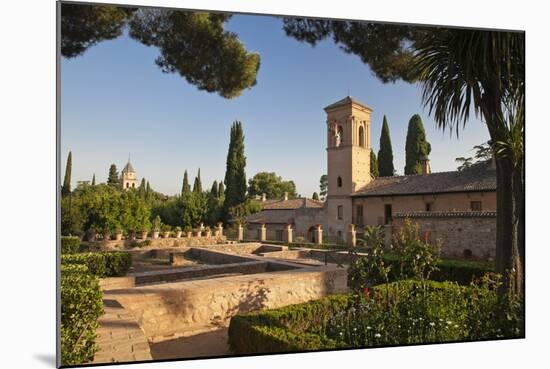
<point x="346" y="101"/>
<point x="291" y="204"/>
<point x="478" y="178"/>
<point x="445" y="214"/>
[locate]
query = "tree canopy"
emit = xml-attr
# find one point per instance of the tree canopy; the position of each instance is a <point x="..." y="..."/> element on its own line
<point x="272" y="185"/>
<point x="417" y="147"/>
<point x="323" y="187"/>
<point x="66" y="188"/>
<point x="112" y="178"/>
<point x="235" y="176"/>
<point x="385" y="154"/>
<point x="191" y="44"/>
<point x="374" y="165"/>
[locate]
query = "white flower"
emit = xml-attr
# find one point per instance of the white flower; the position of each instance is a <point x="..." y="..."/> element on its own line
<point x="369" y="327"/>
<point x="432" y="324"/>
<point x="377" y="335"/>
<point x="449" y="322"/>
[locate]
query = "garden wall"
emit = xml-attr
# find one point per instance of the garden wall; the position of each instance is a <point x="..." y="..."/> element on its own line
<point x="470" y="234"/>
<point x="159" y="242"/>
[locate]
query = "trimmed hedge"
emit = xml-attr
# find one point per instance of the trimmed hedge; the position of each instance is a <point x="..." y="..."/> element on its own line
<point x="291" y="328"/>
<point x="81" y="306"/>
<point x="70" y="244"/>
<point x="102" y="264"/>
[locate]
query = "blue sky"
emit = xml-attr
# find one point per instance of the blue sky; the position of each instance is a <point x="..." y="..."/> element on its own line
<point x="115" y="101"/>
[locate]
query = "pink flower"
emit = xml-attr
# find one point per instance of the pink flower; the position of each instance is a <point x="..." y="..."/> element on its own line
<point x="366" y="291"/>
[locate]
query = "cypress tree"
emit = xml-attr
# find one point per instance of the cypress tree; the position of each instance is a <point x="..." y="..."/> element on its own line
<point x="373" y="165"/>
<point x="197" y="186"/>
<point x="112" y="179"/>
<point x="66" y="188"/>
<point x="214" y="189"/>
<point x="148" y="191"/>
<point x="385" y="154"/>
<point x="93" y="180"/>
<point x="221" y="190"/>
<point x="185" y="188"/>
<point x="416" y="146"/>
<point x="141" y="189"/>
<point x="235" y="176"/>
<point x="315" y="196"/>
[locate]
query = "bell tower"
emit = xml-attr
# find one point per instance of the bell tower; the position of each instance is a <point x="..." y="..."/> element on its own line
<point x="348" y="159"/>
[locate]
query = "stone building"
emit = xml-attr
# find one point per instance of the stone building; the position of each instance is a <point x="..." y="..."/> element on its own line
<point x="128" y="177"/>
<point x="440" y="202"/>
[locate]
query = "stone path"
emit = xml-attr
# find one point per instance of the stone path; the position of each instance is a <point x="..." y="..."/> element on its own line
<point x="204" y="344"/>
<point x="119" y="337"/>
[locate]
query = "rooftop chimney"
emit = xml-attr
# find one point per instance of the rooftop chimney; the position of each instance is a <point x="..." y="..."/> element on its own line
<point x="286" y="196"/>
<point x="263" y="197"/>
<point x="425" y="164"/>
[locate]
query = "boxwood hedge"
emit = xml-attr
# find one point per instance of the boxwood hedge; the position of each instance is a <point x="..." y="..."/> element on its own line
<point x="70" y="244"/>
<point x="81" y="306"/>
<point x="102" y="264"/>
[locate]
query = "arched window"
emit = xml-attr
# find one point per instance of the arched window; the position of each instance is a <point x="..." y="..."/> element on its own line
<point x="361" y="136"/>
<point x="339" y="181"/>
<point x="338" y="135"/>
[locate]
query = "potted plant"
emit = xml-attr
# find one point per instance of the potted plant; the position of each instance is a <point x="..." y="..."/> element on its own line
<point x="156" y="227"/>
<point x="118" y="233"/>
<point x="166" y="230"/>
<point x="131" y="235"/>
<point x="106" y="233"/>
<point x="177" y="230"/>
<point x="207" y="232"/>
<point x="188" y="231"/>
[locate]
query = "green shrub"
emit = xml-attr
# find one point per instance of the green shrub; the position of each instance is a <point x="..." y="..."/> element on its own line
<point x="81" y="306"/>
<point x="102" y="264"/>
<point x="70" y="244"/>
<point x="291" y="328"/>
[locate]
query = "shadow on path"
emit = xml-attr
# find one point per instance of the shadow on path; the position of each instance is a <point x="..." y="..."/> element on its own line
<point x="212" y="343"/>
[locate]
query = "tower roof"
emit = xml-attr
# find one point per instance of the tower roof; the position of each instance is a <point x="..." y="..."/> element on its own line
<point x="128" y="168"/>
<point x="348" y="100"/>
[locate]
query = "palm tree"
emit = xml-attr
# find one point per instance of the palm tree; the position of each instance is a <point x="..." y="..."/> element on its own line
<point x="464" y="70"/>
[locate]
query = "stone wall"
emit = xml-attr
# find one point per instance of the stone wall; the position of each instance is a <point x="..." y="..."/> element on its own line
<point x="159" y="243"/>
<point x="166" y="309"/>
<point x="463" y="234"/>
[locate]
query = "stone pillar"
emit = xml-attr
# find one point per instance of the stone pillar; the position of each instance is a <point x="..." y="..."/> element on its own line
<point x="220" y="229"/>
<point x="208" y="233"/>
<point x="388" y="235"/>
<point x="263" y="233"/>
<point x="199" y="232"/>
<point x="352" y="235"/>
<point x="287" y="235"/>
<point x="318" y="234"/>
<point x="240" y="233"/>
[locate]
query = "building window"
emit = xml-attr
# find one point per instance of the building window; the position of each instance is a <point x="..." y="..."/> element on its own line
<point x="475" y="205"/>
<point x="361" y="136"/>
<point x="428" y="206"/>
<point x="133" y="185"/>
<point x="387" y="214"/>
<point x="127" y="185"/>
<point x="338" y="136"/>
<point x="340" y="212"/>
<point x="339" y="180"/>
<point x="359" y="212"/>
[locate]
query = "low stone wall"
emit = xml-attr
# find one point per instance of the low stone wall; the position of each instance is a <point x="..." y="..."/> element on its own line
<point x="470" y="234"/>
<point x="114" y="283"/>
<point x="171" y="275"/>
<point x="158" y="243"/>
<point x="172" y="308"/>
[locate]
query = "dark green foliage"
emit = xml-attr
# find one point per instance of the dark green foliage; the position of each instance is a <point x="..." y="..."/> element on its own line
<point x="235" y="176"/>
<point x="83" y="26"/>
<point x="101" y="264"/>
<point x="384" y="47"/>
<point x="239" y="212"/>
<point x="221" y="190"/>
<point x="197" y="185"/>
<point x="93" y="180"/>
<point x="112" y="178"/>
<point x="483" y="154"/>
<point x="323" y="186"/>
<point x="315" y="196"/>
<point x="70" y="244"/>
<point x="417" y="147"/>
<point x="81" y="306"/>
<point x="66" y="188"/>
<point x="373" y="165"/>
<point x="214" y="189"/>
<point x="385" y="154"/>
<point x="191" y="44"/>
<point x="141" y="189"/>
<point x="285" y="329"/>
<point x="272" y="185"/>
